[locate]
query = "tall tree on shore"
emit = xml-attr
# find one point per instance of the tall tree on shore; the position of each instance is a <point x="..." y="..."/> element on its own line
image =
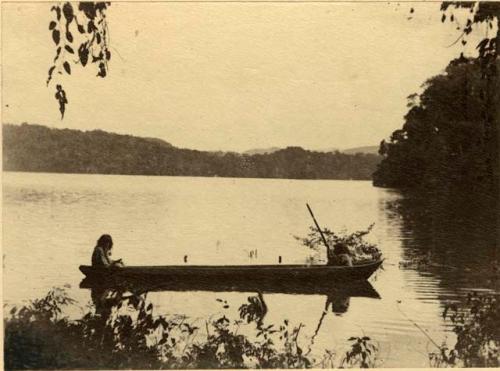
<point x="450" y="134"/>
<point x="447" y="137"/>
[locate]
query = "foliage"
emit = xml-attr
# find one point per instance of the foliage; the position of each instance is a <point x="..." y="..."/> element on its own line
<point x="129" y="335"/>
<point x="479" y="12"/>
<point x="40" y="149"/>
<point x="450" y="135"/>
<point x="448" y="139"/>
<point x="81" y="36"/>
<point x="362" y="353"/>
<point x="255" y="310"/>
<point x="360" y="249"/>
<point x="475" y="324"/>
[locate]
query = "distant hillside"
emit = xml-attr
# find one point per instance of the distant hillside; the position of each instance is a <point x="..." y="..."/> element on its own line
<point x="261" y="151"/>
<point x="38" y="148"/>
<point x="159" y="141"/>
<point x="367" y="149"/>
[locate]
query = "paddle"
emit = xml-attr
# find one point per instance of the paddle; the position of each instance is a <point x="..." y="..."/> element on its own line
<point x="319" y="229"/>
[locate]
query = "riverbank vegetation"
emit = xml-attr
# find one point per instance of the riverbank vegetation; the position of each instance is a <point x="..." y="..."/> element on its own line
<point x="475" y="323"/>
<point x="38" y="148"/>
<point x="446" y="142"/>
<point x="126" y="333"/>
<point x="450" y="137"/>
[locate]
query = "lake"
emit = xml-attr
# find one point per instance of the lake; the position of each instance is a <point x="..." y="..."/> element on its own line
<point x="52" y="221"/>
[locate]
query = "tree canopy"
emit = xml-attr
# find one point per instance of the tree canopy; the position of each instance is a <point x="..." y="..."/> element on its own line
<point x="448" y="137"/>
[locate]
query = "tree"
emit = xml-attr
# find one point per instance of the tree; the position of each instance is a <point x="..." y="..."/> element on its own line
<point x="450" y="132"/>
<point x="447" y="138"/>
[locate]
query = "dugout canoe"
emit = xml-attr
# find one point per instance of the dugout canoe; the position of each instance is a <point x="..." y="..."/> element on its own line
<point x="235" y="273"/>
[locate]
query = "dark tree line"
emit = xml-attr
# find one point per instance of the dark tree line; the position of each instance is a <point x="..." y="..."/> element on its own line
<point x="450" y="137"/>
<point x="40" y="149"/>
<point x="450" y="134"/>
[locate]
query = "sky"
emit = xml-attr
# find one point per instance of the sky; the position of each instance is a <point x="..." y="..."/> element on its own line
<point x="234" y="76"/>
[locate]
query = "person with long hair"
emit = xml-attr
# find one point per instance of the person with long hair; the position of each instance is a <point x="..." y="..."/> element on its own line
<point x="101" y="257"/>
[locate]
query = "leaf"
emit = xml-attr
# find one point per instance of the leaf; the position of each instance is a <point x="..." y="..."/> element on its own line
<point x="51" y="70"/>
<point x="61" y="97"/>
<point x="83" y="54"/>
<point x="68" y="12"/>
<point x="67" y="67"/>
<point x="58" y="52"/>
<point x="58" y="11"/>
<point x="69" y="36"/>
<point x="52" y="25"/>
<point x="56" y="36"/>
<point x="482" y="44"/>
<point x="69" y="49"/>
<point x="81" y="29"/>
<point x="98" y="37"/>
<point x="443" y="18"/>
<point x="108" y="55"/>
<point x="87" y="8"/>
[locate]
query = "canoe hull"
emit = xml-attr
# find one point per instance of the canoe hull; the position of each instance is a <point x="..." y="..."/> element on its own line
<point x="233" y="275"/>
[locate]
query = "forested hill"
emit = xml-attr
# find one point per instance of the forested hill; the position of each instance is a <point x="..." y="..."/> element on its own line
<point x="38" y="148"/>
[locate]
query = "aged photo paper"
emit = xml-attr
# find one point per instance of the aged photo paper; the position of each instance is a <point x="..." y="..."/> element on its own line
<point x="250" y="184"/>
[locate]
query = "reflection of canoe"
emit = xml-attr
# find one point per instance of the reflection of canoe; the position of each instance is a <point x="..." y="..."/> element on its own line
<point x="350" y="289"/>
<point x="271" y="274"/>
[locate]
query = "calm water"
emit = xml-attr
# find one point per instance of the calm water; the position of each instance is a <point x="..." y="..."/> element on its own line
<point x="51" y="222"/>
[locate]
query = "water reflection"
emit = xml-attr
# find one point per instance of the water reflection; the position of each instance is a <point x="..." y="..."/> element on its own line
<point x="337" y="295"/>
<point x="454" y="236"/>
<point x="348" y="289"/>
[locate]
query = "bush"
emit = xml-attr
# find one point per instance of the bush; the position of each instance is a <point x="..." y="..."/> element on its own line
<point x="126" y="334"/>
<point x="476" y="325"/>
<point x="361" y="250"/>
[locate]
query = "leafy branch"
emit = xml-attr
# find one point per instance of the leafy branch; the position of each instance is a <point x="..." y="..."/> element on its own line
<point x="359" y="248"/>
<point x="81" y="37"/>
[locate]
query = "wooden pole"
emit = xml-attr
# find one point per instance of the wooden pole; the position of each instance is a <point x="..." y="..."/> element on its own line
<point x="319" y="229"/>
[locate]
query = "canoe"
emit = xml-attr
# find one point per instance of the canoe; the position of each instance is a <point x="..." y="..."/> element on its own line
<point x="258" y="274"/>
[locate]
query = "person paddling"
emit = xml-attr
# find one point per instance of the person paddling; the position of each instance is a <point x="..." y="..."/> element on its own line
<point x="101" y="257"/>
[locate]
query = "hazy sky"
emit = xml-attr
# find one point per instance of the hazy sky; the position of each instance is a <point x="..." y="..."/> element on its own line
<point x="235" y="76"/>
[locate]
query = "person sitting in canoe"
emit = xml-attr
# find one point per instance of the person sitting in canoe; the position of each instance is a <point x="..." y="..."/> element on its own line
<point x="101" y="257"/>
<point x="340" y="255"/>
